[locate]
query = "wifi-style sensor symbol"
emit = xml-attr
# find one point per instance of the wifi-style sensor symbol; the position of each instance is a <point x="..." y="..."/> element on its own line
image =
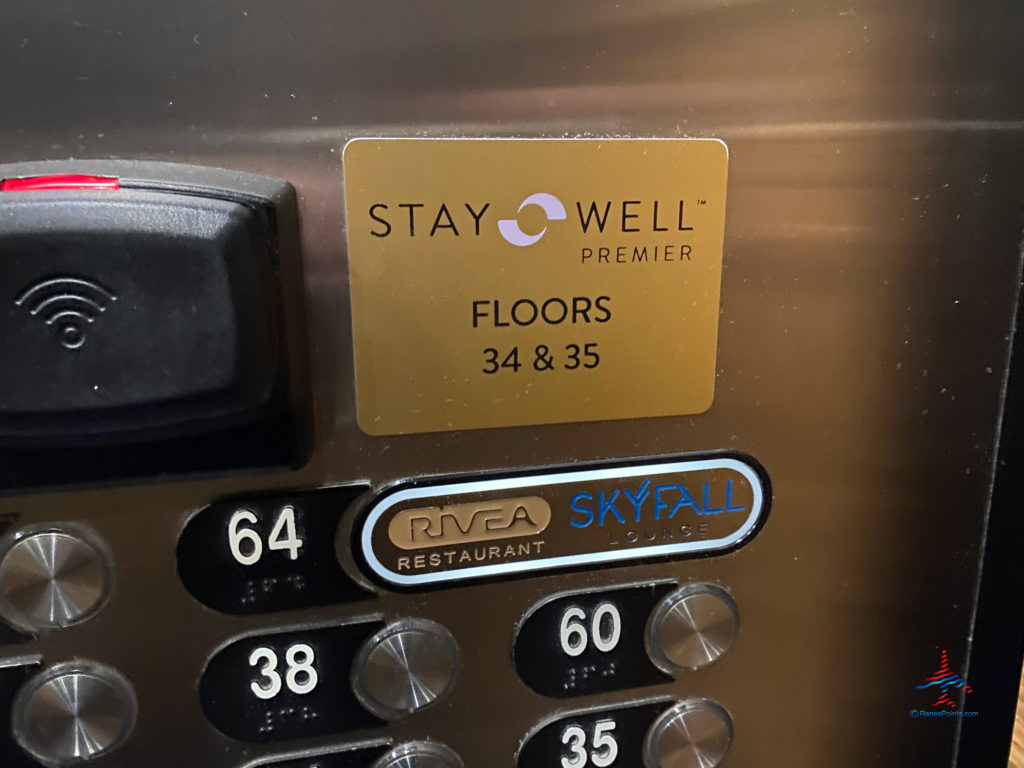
<point x="68" y="305"/>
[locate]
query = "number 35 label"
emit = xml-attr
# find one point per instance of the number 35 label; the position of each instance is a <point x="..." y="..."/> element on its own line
<point x="609" y="737"/>
<point x="494" y="280"/>
<point x="604" y="746"/>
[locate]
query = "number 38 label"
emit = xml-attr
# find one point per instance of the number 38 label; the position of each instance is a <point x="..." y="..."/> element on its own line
<point x="286" y="685"/>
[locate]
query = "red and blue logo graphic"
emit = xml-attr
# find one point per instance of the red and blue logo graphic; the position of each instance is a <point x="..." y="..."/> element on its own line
<point x="943" y="680"/>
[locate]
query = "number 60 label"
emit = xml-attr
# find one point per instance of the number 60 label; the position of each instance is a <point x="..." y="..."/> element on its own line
<point x="606" y="629"/>
<point x="588" y="642"/>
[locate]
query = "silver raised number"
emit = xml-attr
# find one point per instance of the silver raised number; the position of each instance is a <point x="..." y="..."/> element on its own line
<point x="289" y="540"/>
<point x="251" y="553"/>
<point x="606" y="641"/>
<point x="605" y="629"/>
<point x="571" y="633"/>
<point x="246" y="545"/>
<point x="605" y="746"/>
<point x="574" y="737"/>
<point x="300" y="677"/>
<point x="270" y="685"/>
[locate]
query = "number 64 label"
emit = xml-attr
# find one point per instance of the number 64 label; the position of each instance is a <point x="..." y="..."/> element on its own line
<point x="246" y="545"/>
<point x="272" y="552"/>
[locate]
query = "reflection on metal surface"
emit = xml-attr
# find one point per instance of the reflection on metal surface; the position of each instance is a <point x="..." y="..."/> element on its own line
<point x="692" y="628"/>
<point x="51" y="578"/>
<point x="73" y="712"/>
<point x="405" y="667"/>
<point x="696" y="733"/>
<point x="871" y="261"/>
<point x="423" y="754"/>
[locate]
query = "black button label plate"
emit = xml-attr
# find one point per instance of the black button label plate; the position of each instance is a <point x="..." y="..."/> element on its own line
<point x="589" y="642"/>
<point x="610" y="736"/>
<point x="11" y="679"/>
<point x="287" y="685"/>
<point x="268" y="553"/>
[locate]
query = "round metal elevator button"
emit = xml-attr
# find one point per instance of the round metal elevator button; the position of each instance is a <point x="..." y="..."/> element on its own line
<point x="425" y="754"/>
<point x="51" y="578"/>
<point x="73" y="712"/>
<point x="692" y="628"/>
<point x="693" y="734"/>
<point x="405" y="667"/>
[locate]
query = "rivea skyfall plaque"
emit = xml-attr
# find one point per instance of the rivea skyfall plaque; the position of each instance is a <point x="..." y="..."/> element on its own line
<point x="437" y="532"/>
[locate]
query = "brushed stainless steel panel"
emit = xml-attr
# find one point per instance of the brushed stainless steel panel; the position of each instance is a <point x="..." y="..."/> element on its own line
<point x="871" y="267"/>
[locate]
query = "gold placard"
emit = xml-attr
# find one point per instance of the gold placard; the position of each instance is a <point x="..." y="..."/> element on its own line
<point x="504" y="282"/>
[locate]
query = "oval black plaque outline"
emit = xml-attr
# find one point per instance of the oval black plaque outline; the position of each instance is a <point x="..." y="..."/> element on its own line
<point x="425" y="488"/>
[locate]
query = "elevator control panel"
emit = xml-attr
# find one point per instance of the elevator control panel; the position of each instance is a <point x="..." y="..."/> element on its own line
<point x="155" y="331"/>
<point x="299" y="678"/>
